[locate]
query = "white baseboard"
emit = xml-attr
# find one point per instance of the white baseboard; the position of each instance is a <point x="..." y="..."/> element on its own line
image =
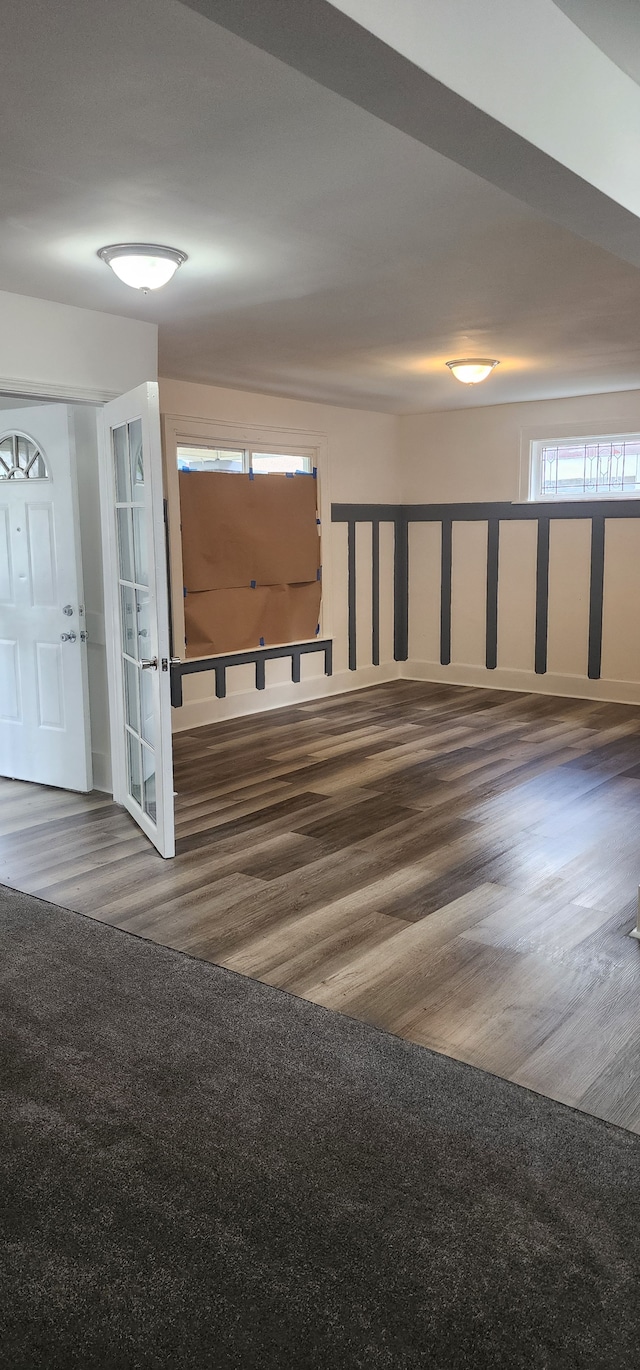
<point x="503" y="678"/>
<point x="198" y="713"/>
<point x="201" y="712"/>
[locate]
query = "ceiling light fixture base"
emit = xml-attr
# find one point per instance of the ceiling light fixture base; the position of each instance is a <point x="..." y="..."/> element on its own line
<point x="143" y="266"/>
<point x="472" y="370"/>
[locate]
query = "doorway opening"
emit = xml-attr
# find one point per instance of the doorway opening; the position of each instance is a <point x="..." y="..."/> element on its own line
<point x="83" y="603"/>
<point x="54" y="715"/>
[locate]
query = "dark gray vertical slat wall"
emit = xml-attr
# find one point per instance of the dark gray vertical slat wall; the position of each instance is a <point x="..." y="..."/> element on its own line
<point x="598" y="511"/>
<point x="401" y="587"/>
<point x="493" y="548"/>
<point x="375" y="593"/>
<point x="446" y="551"/>
<point x="351" y="559"/>
<point x="255" y="656"/>
<point x="542" y="595"/>
<point x="596" y="590"/>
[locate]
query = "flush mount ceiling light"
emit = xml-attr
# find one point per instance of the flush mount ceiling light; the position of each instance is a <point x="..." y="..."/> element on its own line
<point x="471" y="370"/>
<point x="144" y="266"/>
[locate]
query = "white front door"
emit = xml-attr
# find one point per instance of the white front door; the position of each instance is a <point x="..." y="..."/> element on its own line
<point x="137" y="609"/>
<point x="44" y="698"/>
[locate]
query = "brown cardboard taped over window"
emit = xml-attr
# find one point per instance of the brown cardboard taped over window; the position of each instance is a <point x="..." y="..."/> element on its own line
<point x="235" y="530"/>
<point x="221" y="621"/>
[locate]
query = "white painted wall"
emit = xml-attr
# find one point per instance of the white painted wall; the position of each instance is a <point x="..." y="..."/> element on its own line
<point x="358" y="461"/>
<point x="476" y="455"/>
<point x="60" y="352"/>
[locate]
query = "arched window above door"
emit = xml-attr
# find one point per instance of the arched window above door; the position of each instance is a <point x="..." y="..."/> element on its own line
<point x="21" y="458"/>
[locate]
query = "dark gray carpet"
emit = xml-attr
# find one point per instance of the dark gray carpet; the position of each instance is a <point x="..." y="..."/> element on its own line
<point x="198" y="1170"/>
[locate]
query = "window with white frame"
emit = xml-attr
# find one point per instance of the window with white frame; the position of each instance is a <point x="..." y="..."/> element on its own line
<point x="192" y="458"/>
<point x="603" y="467"/>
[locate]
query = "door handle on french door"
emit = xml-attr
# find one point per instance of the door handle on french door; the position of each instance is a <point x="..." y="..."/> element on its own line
<point x="150" y="665"/>
<point x="68" y="637"/>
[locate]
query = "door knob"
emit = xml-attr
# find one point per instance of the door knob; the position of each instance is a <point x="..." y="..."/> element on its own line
<point x="150" y="665"/>
<point x="68" y="637"/>
<point x="68" y="610"/>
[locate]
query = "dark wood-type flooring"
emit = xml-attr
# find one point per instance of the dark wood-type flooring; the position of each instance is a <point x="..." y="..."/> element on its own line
<point x="458" y="866"/>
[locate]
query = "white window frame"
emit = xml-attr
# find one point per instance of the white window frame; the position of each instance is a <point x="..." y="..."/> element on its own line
<point x="196" y="432"/>
<point x="308" y="454"/>
<point x="533" y="440"/>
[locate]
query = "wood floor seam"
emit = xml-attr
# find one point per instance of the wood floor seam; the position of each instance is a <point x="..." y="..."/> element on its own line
<point x="457" y="865"/>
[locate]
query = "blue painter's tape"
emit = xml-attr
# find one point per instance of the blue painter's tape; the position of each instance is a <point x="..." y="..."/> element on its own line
<point x="319" y="573"/>
<point x="315" y="472"/>
<point x="250" y="475"/>
<point x="184" y="591"/>
<point x="317" y="629"/>
<point x="252" y="584"/>
<point x="318" y="522"/>
<point x="289" y="475"/>
<point x="262" y="642"/>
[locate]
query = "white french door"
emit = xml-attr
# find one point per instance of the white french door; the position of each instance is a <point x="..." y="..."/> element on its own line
<point x="44" y="695"/>
<point x="137" y="608"/>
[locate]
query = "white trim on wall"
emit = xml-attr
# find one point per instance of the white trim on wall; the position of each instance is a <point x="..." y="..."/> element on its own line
<point x="75" y="394"/>
<point x="527" y="682"/>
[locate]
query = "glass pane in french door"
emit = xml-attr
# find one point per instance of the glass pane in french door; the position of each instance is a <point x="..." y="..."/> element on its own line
<point x="135" y="636"/>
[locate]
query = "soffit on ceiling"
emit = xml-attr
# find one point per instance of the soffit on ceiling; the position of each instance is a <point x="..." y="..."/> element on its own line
<point x="330" y="256"/>
<point x="614" y="27"/>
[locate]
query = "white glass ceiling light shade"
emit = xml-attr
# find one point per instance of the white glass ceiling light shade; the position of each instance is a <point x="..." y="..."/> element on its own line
<point x="144" y="266"/>
<point x="471" y="370"/>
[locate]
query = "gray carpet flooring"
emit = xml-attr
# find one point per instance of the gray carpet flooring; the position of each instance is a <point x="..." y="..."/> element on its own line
<point x="197" y="1170"/>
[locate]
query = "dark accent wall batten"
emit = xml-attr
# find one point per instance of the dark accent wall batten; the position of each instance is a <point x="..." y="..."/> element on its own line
<point x="542" y="596"/>
<point x="493" y="552"/>
<point x="493" y="513"/>
<point x="401" y="588"/>
<point x="351" y="559"/>
<point x="221" y="664"/>
<point x="375" y="593"/>
<point x="445" y="591"/>
<point x="596" y="590"/>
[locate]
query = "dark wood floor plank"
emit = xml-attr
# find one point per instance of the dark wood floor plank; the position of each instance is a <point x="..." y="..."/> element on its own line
<point x="457" y="865"/>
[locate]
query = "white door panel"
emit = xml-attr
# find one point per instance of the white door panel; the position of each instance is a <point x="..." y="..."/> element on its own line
<point x="44" y="701"/>
<point x="41" y="555"/>
<point x="6" y="576"/>
<point x="49" y="686"/>
<point x="138" y="613"/>
<point x="10" y="711"/>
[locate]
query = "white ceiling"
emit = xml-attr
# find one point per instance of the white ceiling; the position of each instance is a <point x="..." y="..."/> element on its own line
<point x="330" y="256"/>
<point x="614" y="27"/>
